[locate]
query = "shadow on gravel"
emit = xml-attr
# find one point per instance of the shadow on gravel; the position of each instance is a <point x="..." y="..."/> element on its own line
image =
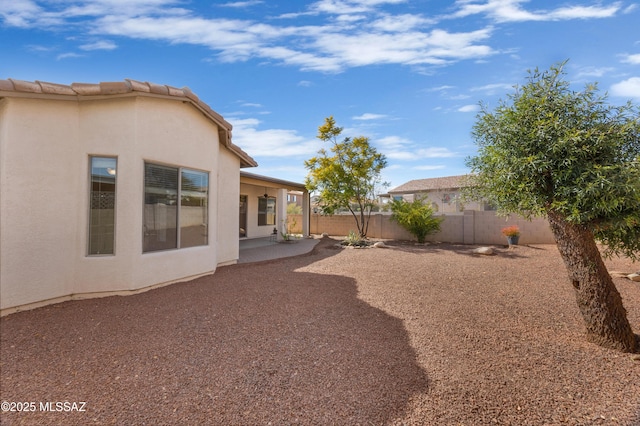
<point x="251" y="344"/>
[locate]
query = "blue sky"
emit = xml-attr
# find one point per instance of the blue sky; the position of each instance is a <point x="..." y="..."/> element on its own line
<point x="409" y="75"/>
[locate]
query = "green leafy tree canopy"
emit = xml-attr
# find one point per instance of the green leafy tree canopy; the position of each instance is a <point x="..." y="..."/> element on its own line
<point x="551" y="151"/>
<point x="416" y="217"/>
<point x="346" y="176"/>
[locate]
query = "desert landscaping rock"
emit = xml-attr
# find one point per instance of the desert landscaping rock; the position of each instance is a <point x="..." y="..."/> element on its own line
<point x="634" y="277"/>
<point x="409" y="335"/>
<point x="618" y="274"/>
<point x="379" y="244"/>
<point x="487" y="251"/>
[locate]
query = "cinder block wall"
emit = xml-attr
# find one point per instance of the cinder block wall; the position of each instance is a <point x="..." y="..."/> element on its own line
<point x="469" y="227"/>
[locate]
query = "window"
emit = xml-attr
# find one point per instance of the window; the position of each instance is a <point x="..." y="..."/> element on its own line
<point x="266" y="211"/>
<point x="194" y="197"/>
<point x="173" y="196"/>
<point x="102" y="205"/>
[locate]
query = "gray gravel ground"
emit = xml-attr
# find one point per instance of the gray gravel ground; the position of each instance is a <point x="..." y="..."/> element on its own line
<point x="417" y="335"/>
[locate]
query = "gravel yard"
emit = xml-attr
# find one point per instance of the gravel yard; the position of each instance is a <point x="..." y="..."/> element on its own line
<point x="417" y="335"/>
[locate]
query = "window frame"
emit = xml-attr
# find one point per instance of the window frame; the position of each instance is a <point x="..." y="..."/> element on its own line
<point x="265" y="214"/>
<point x="90" y="193"/>
<point x="178" y="204"/>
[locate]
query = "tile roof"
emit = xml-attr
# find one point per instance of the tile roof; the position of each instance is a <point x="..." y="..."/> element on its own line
<point x="252" y="178"/>
<point x="13" y="87"/>
<point x="432" y="184"/>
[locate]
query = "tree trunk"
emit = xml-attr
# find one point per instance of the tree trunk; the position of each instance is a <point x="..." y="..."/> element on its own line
<point x="598" y="299"/>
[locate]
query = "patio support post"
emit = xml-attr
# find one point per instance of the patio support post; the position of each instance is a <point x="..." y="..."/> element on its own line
<point x="306" y="213"/>
<point x="281" y="211"/>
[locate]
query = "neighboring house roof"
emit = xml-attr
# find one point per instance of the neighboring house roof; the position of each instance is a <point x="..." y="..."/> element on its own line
<point x="128" y="87"/>
<point x="253" y="179"/>
<point x="432" y="184"/>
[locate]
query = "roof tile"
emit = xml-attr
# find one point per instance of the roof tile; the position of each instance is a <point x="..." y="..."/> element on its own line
<point x="115" y="87"/>
<point x="189" y="94"/>
<point x="86" y="89"/>
<point x="7" y="85"/>
<point x="26" y="86"/>
<point x="159" y="89"/>
<point x="431" y="184"/>
<point x="139" y="86"/>
<point x="56" y="89"/>
<point x="174" y="91"/>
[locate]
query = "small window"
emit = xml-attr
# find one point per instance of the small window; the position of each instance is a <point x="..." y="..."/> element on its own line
<point x="102" y="205"/>
<point x="266" y="211"/>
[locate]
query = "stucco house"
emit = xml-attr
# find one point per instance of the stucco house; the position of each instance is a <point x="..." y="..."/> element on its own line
<point x="114" y="188"/>
<point x="443" y="193"/>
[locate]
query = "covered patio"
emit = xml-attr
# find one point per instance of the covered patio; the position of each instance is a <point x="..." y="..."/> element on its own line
<point x="261" y="249"/>
<point x="263" y="206"/>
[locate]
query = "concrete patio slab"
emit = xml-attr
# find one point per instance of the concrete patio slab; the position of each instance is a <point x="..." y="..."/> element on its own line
<point x="261" y="249"/>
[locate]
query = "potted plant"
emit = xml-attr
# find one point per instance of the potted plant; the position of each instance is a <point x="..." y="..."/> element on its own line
<point x="512" y="233"/>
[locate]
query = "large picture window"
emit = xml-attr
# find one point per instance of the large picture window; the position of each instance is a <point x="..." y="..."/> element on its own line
<point x="266" y="211"/>
<point x="102" y="208"/>
<point x="175" y="207"/>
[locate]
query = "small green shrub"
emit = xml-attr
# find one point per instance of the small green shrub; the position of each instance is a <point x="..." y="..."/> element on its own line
<point x="415" y="217"/>
<point x="355" y="240"/>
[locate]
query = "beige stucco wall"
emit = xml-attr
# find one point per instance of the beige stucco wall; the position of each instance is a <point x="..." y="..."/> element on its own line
<point x="228" y="196"/>
<point x="44" y="170"/>
<point x="469" y="227"/>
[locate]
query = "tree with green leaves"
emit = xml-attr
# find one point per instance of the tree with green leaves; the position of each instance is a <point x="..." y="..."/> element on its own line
<point x="347" y="176"/>
<point x="551" y="151"/>
<point x="416" y="217"/>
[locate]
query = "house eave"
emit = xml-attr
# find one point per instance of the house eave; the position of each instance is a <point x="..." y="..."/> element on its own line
<point x="109" y="90"/>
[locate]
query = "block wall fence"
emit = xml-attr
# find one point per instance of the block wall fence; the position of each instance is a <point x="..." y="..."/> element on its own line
<point x="469" y="227"/>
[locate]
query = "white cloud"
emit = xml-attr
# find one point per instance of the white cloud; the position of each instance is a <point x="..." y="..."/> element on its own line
<point x="346" y="33"/>
<point x="632" y="59"/>
<point x="629" y="88"/>
<point x="438" y="167"/>
<point x="441" y="88"/>
<point x="512" y="11"/>
<point x="400" y="23"/>
<point x="270" y="142"/>
<point x="420" y="153"/>
<point x="469" y="108"/>
<point x="369" y="116"/>
<point x="99" y="45"/>
<point x="68" y="55"/>
<point x="335" y="43"/>
<point x="241" y="4"/>
<point x="593" y="72"/>
<point x="392" y="143"/>
<point x="491" y="89"/>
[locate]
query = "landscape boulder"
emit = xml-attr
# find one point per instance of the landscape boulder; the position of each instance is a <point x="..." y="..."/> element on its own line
<point x="487" y="251"/>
